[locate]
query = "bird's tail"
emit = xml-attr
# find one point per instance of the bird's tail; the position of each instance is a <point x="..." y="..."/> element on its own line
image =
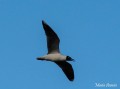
<point x="40" y="59"/>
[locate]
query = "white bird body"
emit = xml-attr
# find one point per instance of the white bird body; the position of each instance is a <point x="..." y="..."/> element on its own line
<point x="54" y="57"/>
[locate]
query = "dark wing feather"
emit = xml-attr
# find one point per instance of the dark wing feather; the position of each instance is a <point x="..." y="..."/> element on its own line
<point x="67" y="69"/>
<point x="52" y="39"/>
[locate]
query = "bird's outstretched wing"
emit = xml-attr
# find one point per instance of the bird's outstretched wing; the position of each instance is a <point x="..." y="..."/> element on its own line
<point x="67" y="69"/>
<point x="52" y="39"/>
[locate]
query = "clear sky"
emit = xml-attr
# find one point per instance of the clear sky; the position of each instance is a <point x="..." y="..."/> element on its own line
<point x="89" y="31"/>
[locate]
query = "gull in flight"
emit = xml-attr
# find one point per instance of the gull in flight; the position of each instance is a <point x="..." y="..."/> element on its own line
<point x="54" y="54"/>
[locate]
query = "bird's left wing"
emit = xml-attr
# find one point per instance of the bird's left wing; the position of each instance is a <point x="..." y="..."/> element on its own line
<point x="52" y="39"/>
<point x="67" y="69"/>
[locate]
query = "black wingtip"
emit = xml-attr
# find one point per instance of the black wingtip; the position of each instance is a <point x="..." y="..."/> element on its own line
<point x="44" y="23"/>
<point x="71" y="80"/>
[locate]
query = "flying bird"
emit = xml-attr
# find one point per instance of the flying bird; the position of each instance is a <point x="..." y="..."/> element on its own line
<point x="54" y="54"/>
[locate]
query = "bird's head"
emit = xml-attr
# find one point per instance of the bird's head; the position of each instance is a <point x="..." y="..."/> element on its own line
<point x="68" y="58"/>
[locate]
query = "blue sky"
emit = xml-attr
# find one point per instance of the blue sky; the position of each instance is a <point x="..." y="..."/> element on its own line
<point x="89" y="31"/>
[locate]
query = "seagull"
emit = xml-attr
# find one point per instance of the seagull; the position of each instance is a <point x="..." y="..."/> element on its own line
<point x="54" y="54"/>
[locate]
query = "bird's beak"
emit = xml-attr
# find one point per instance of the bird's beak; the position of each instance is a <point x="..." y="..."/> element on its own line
<point x="73" y="60"/>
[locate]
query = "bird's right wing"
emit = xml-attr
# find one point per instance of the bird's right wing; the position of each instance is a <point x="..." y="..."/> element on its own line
<point x="67" y="69"/>
<point x="52" y="39"/>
